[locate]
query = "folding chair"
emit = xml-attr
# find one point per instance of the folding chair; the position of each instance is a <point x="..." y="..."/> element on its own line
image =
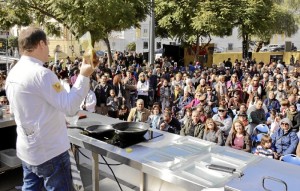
<point x="261" y="128"/>
<point x="291" y="158"/>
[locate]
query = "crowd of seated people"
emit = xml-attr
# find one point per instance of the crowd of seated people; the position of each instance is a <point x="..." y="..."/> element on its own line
<point x="223" y="103"/>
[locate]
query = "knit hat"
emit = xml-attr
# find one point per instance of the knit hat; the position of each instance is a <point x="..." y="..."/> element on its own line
<point x="288" y="121"/>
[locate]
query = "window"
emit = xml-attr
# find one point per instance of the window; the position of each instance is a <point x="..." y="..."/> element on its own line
<point x="158" y="45"/>
<point x="145" y="31"/>
<point x="145" y="45"/>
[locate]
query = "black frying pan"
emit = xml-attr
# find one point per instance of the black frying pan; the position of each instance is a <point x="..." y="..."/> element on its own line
<point x="99" y="129"/>
<point x="130" y="130"/>
<point x="96" y="129"/>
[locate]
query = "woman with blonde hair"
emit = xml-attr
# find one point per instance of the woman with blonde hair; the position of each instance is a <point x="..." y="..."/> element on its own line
<point x="212" y="133"/>
<point x="178" y="81"/>
<point x="238" y="138"/>
<point x="143" y="88"/>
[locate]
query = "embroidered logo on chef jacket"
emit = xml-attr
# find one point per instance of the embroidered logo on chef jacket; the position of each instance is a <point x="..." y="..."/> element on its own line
<point x="57" y="87"/>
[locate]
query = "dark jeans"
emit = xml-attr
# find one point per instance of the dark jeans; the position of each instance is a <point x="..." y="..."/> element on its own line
<point x="53" y="175"/>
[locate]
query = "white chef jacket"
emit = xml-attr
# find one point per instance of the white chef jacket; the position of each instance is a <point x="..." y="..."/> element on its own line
<point x="39" y="103"/>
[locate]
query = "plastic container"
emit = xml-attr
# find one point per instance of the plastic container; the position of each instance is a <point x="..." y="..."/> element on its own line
<point x="9" y="157"/>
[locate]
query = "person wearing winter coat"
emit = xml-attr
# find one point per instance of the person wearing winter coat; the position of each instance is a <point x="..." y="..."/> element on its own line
<point x="284" y="141"/>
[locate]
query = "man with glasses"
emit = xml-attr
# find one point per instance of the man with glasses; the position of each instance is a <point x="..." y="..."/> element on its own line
<point x="284" y="141"/>
<point x="225" y="122"/>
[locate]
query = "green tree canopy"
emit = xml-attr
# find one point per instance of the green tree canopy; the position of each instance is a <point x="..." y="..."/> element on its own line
<point x="100" y="17"/>
<point x="254" y="18"/>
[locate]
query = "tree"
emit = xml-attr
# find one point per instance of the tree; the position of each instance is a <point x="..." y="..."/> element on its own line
<point x="9" y="16"/>
<point x="100" y="17"/>
<point x="12" y="42"/>
<point x="175" y="19"/>
<point x="254" y="18"/>
<point x="131" y="46"/>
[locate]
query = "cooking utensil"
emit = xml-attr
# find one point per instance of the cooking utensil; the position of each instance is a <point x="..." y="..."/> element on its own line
<point x="96" y="129"/>
<point x="221" y="168"/>
<point x="130" y="130"/>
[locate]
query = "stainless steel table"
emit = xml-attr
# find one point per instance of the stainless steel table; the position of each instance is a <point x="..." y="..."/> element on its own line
<point x="188" y="172"/>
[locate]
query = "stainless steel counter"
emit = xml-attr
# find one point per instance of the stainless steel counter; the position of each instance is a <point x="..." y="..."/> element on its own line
<point x="183" y="161"/>
<point x="7" y="120"/>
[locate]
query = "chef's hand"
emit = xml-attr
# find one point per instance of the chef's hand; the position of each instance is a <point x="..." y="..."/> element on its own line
<point x="86" y="69"/>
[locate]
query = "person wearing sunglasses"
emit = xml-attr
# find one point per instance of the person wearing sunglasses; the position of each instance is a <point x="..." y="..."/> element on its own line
<point x="223" y="120"/>
<point x="284" y="140"/>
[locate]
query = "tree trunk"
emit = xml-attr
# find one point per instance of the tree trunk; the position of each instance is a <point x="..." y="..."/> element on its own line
<point x="109" y="51"/>
<point x="197" y="49"/>
<point x="245" y="42"/>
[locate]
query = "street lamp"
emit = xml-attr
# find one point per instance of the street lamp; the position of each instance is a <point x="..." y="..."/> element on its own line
<point x="152" y="33"/>
<point x="6" y="47"/>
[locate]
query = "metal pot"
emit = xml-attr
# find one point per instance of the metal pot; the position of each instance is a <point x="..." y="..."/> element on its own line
<point x="131" y="130"/>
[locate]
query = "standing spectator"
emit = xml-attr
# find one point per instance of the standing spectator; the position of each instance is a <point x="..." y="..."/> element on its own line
<point x="102" y="92"/>
<point x="119" y="88"/>
<point x="89" y="102"/>
<point x="165" y="94"/>
<point x="143" y="88"/>
<point x="152" y="85"/>
<point x="112" y="104"/>
<point x="130" y="89"/>
<point x="228" y="63"/>
<point x="74" y="77"/>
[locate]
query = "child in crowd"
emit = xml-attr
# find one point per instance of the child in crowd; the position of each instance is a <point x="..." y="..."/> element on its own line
<point x="272" y="117"/>
<point x="112" y="104"/>
<point x="187" y="116"/>
<point x="264" y="149"/>
<point x="276" y="123"/>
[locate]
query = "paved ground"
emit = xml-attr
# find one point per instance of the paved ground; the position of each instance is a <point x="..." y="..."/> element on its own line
<point x="11" y="179"/>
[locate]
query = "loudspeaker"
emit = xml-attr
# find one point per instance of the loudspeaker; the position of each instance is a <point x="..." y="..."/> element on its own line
<point x="288" y="46"/>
